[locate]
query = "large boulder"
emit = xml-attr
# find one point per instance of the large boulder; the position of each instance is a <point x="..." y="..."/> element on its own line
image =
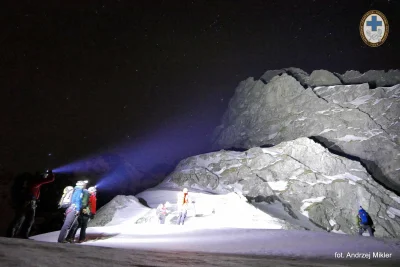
<point x="351" y="120"/>
<point x="117" y="210"/>
<point x="303" y="176"/>
<point x="323" y="77"/>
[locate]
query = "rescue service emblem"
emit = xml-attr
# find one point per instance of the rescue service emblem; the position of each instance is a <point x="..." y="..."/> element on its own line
<point x="374" y="28"/>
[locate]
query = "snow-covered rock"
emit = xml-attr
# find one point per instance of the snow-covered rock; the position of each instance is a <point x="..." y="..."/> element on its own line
<point x="353" y="120"/>
<point x="120" y="209"/>
<point x="300" y="177"/>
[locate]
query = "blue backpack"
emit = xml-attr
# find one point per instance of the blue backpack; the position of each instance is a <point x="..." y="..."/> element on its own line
<point x="364" y="217"/>
<point x="76" y="198"/>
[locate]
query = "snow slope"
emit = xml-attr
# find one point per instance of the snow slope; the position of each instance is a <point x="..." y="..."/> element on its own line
<point x="211" y="210"/>
<point x="293" y="243"/>
<point x="235" y="227"/>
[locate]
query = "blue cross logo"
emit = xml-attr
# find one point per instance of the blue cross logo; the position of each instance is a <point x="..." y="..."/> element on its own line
<point x="374" y="23"/>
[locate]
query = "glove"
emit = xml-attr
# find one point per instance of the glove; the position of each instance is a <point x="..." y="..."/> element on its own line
<point x="91" y="216"/>
<point x="76" y="213"/>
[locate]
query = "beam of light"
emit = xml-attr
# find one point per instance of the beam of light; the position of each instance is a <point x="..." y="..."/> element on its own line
<point x="168" y="142"/>
<point x="174" y="140"/>
<point x="78" y="167"/>
<point x="90" y="164"/>
<point x="156" y="152"/>
<point x="120" y="177"/>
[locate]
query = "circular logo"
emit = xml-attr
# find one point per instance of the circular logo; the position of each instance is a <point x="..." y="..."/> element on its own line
<point x="374" y="28"/>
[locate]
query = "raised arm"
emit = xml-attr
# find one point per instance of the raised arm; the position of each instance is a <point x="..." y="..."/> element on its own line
<point x="45" y="181"/>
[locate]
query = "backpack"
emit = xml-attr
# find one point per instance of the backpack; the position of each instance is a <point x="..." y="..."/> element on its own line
<point x="66" y="198"/>
<point x="85" y="201"/>
<point x="364" y="217"/>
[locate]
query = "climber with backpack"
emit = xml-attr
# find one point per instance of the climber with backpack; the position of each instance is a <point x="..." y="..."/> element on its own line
<point x="88" y="211"/>
<point x="73" y="211"/>
<point x="365" y="222"/>
<point x="65" y="200"/>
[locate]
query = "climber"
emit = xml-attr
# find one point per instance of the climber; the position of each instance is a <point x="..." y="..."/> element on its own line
<point x="162" y="212"/>
<point x="27" y="211"/>
<point x="65" y="200"/>
<point x="72" y="212"/>
<point x="364" y="222"/>
<point x="88" y="212"/>
<point x="183" y="205"/>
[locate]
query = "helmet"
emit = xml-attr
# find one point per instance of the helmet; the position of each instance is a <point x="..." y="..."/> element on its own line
<point x="68" y="188"/>
<point x="92" y="189"/>
<point x="185" y="190"/>
<point x="81" y="183"/>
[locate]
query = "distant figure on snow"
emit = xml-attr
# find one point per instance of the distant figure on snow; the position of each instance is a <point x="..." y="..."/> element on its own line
<point x="26" y="213"/>
<point x="88" y="212"/>
<point x="364" y="222"/>
<point x="73" y="211"/>
<point x="162" y="212"/>
<point x="183" y="205"/>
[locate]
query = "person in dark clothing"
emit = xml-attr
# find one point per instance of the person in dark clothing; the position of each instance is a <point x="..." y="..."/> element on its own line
<point x="25" y="217"/>
<point x="73" y="211"/>
<point x="364" y="222"/>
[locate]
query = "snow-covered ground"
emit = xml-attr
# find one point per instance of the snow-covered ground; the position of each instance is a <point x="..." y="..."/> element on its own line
<point x="222" y="224"/>
<point x="28" y="253"/>
<point x="291" y="243"/>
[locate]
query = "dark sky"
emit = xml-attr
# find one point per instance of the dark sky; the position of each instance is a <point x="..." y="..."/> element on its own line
<point x="78" y="79"/>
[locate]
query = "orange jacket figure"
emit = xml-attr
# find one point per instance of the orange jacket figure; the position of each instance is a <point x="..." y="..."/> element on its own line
<point x="183" y="200"/>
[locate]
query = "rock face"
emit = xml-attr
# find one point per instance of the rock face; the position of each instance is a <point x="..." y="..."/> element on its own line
<point x="301" y="174"/>
<point x="317" y="77"/>
<point x="376" y="78"/>
<point x="351" y="120"/>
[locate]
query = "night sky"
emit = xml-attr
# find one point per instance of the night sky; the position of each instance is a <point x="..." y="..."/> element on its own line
<point x="154" y="77"/>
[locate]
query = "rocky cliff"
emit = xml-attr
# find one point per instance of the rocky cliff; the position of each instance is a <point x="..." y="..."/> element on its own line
<point x="350" y="113"/>
<point x="303" y="176"/>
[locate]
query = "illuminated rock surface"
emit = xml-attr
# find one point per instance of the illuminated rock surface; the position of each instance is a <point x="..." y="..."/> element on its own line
<point x="294" y="181"/>
<point x="351" y="120"/>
